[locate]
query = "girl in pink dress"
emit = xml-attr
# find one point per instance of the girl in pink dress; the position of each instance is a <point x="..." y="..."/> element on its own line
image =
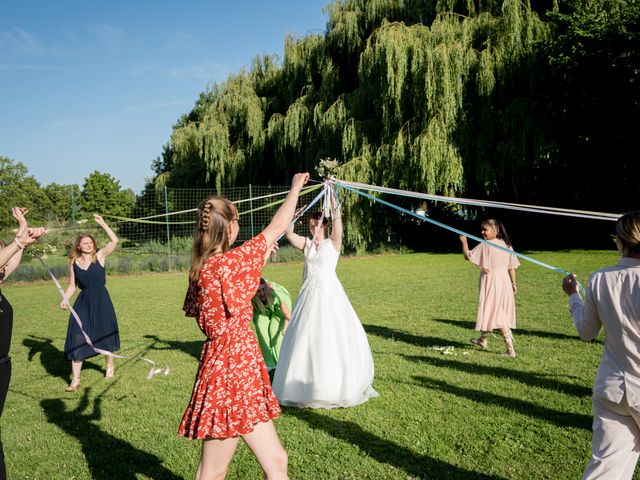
<point x="232" y="396"/>
<point x="496" y="304"/>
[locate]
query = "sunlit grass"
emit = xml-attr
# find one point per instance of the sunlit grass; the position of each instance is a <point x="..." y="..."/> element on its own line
<point x="467" y="415"/>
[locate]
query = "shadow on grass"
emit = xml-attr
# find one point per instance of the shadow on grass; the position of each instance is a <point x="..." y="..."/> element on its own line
<point x="192" y="348"/>
<point x="108" y="457"/>
<point x="52" y="359"/>
<point x="529" y="409"/>
<point x="392" y="334"/>
<point x="468" y="325"/>
<point x="385" y="451"/>
<point x="529" y="378"/>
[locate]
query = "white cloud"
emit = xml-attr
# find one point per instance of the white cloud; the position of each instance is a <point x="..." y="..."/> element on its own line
<point x="208" y="70"/>
<point x="109" y="37"/>
<point x="142" y="69"/>
<point x="60" y="124"/>
<point x="157" y="105"/>
<point x="181" y="41"/>
<point x="20" y="41"/>
<point x="26" y="66"/>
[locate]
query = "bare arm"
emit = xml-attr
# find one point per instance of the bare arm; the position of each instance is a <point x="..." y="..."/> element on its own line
<point x="108" y="249"/>
<point x="297" y="241"/>
<point x="286" y="312"/>
<point x="465" y="247"/>
<point x="11" y="255"/>
<point x="512" y="276"/>
<point x="12" y="264"/>
<point x="284" y="215"/>
<point x="71" y="289"/>
<point x="336" y="229"/>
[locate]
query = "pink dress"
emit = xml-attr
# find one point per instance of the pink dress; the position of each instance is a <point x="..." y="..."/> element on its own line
<point x="496" y="303"/>
<point x="232" y="391"/>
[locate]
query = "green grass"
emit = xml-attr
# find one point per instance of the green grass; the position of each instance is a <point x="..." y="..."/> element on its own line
<point x="471" y="415"/>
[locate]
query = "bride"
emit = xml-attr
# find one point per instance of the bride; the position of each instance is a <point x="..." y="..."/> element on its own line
<point x="325" y="360"/>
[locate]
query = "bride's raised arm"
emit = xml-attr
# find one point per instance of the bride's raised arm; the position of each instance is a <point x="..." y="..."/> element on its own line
<point x="336" y="229"/>
<point x="296" y="241"/>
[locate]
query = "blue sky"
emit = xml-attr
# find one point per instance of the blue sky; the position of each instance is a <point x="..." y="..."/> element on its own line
<point x="87" y="85"/>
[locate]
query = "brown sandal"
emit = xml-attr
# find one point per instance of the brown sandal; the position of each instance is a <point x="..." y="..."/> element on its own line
<point x="74" y="385"/>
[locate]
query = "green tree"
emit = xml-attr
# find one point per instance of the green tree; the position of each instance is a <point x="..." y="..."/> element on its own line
<point x="19" y="189"/>
<point x="101" y="193"/>
<point x="489" y="99"/>
<point x="62" y="198"/>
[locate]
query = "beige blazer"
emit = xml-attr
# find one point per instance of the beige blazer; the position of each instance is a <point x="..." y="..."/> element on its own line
<point x="612" y="301"/>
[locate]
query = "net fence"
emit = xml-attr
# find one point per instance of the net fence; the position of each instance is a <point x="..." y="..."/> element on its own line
<point x="162" y="221"/>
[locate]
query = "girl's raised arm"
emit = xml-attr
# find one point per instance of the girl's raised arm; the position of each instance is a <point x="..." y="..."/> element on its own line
<point x="284" y="215"/>
<point x="108" y="249"/>
<point x="336" y="228"/>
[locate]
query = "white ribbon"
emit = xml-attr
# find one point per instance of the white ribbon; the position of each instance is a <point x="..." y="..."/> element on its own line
<point x="152" y="372"/>
<point x="485" y="203"/>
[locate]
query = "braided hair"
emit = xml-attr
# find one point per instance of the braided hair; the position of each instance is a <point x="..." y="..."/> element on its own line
<point x="212" y="234"/>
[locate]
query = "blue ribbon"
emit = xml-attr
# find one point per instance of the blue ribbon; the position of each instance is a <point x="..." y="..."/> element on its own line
<point x="459" y="232"/>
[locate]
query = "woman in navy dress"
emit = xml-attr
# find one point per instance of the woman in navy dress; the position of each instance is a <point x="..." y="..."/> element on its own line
<point x="93" y="305"/>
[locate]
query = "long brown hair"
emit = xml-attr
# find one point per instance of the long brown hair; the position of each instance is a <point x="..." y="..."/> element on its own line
<point x="75" y="251"/>
<point x="212" y="235"/>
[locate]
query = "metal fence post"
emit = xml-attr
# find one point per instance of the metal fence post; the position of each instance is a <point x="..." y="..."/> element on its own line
<point x="73" y="208"/>
<point x="251" y="208"/>
<point x="166" y="216"/>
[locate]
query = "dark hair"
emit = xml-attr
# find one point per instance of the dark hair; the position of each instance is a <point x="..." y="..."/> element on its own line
<point x="318" y="216"/>
<point x="628" y="232"/>
<point x="501" y="232"/>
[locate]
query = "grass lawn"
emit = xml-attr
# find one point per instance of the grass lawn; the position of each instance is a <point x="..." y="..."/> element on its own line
<point x="468" y="415"/>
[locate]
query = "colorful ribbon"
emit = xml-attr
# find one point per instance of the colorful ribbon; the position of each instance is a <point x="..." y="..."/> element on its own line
<point x="459" y="232"/>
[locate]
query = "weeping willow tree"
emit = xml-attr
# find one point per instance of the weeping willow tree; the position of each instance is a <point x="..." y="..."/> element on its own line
<point x="427" y="96"/>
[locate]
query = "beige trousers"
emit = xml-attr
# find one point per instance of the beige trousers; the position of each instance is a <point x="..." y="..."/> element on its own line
<point x="615" y="446"/>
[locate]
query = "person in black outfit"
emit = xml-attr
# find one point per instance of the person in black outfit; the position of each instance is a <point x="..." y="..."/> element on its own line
<point x="10" y="256"/>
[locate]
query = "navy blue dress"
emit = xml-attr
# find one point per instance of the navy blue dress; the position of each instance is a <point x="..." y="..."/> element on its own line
<point x="95" y="309"/>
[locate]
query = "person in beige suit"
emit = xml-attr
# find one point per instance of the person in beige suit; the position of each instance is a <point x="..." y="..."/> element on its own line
<point x="612" y="301"/>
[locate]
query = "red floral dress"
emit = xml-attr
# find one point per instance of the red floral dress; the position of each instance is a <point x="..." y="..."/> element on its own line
<point x="232" y="391"/>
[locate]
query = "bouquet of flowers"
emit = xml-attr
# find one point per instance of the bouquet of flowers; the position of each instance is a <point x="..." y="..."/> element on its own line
<point x="327" y="167"/>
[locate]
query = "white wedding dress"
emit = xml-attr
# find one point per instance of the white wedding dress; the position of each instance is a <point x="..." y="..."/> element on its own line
<point x="325" y="360"/>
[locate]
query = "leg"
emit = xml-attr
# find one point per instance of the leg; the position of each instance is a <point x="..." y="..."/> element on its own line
<point x="76" y="367"/>
<point x="5" y="377"/>
<point x="481" y="341"/>
<point x="508" y="341"/>
<point x="266" y="446"/>
<point x="216" y="455"/>
<point x="614" y="448"/>
<point x="111" y="369"/>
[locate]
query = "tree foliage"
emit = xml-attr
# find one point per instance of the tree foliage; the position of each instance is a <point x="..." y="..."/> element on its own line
<point x="487" y="99"/>
<point x="19" y="189"/>
<point x="101" y="193"/>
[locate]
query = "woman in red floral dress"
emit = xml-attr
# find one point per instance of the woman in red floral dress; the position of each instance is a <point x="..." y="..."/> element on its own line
<point x="232" y="396"/>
